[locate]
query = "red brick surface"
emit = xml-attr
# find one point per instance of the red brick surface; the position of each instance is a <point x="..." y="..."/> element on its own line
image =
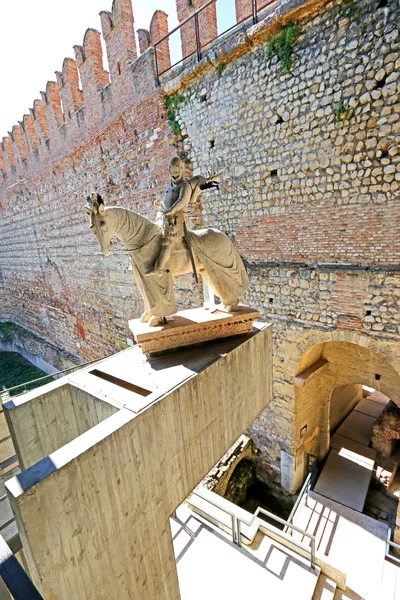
<point x="112" y="136"/>
<point x="207" y="25"/>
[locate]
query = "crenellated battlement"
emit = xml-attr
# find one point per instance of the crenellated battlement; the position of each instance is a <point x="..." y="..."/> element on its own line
<point x="85" y="96"/>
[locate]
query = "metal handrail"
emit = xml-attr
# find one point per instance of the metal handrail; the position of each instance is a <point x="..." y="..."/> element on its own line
<point x="15" y="577"/>
<point x="306" y="486"/>
<point x="255" y="11"/>
<point x="73" y="368"/>
<point x="303" y="492"/>
<point x="236" y="522"/>
<point x="389" y="543"/>
<point x="283" y="534"/>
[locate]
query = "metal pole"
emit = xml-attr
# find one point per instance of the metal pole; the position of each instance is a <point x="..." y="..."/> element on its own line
<point x="254" y="10"/>
<point x="239" y="541"/>
<point x="156" y="60"/>
<point x="233" y="529"/>
<point x="313" y="553"/>
<point x="198" y="42"/>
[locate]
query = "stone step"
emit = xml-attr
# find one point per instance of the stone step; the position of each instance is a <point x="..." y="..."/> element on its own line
<point x="389" y="588"/>
<point x="390" y="585"/>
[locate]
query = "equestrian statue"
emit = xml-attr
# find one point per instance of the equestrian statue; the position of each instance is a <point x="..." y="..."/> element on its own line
<point x="158" y="251"/>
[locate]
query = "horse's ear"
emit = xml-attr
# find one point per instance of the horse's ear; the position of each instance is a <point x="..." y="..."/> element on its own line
<point x="101" y="208"/>
<point x="88" y="206"/>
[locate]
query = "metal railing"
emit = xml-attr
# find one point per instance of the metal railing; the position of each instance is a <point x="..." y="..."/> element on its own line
<point x="5" y="393"/>
<point x="303" y="493"/>
<point x="283" y="534"/>
<point x="236" y="522"/>
<point x="10" y="521"/>
<point x="312" y="469"/>
<point x="390" y="544"/>
<point x="257" y="6"/>
<point x="15" y="577"/>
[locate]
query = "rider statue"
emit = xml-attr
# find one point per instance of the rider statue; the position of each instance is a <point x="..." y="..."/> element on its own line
<point x="174" y="211"/>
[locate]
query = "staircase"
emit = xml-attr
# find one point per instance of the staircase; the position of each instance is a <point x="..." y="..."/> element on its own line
<point x="354" y="544"/>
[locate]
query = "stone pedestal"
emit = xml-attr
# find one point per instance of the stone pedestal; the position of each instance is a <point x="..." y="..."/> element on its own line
<point x="192" y="327"/>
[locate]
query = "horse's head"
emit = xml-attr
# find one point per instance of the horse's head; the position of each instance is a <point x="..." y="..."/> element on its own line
<point x="100" y="222"/>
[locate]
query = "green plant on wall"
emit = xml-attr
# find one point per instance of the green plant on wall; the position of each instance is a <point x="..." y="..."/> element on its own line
<point x="8" y="330"/>
<point x="172" y="104"/>
<point x="219" y="70"/>
<point x="350" y="9"/>
<point x="282" y="44"/>
<point x="14" y="370"/>
<point x="341" y="111"/>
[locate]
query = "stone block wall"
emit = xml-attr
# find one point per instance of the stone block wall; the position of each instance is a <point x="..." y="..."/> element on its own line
<point x="310" y="183"/>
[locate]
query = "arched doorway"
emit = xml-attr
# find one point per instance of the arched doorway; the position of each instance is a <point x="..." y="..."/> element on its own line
<point x="328" y="381"/>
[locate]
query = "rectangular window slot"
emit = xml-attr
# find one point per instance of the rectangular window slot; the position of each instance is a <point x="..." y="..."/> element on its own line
<point x="121" y="383"/>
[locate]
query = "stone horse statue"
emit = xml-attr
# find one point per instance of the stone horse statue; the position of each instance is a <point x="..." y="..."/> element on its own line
<point x="214" y="255"/>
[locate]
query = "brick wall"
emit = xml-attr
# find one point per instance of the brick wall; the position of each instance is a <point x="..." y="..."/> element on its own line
<point x="112" y="136"/>
<point x="243" y="9"/>
<point x="207" y="24"/>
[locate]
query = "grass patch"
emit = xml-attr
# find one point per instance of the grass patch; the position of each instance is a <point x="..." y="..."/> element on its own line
<point x="15" y="370"/>
<point x="9" y="330"/>
<point x="282" y="44"/>
<point x="350" y="9"/>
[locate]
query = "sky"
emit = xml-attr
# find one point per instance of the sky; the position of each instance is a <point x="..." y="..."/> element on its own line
<point x="36" y="36"/>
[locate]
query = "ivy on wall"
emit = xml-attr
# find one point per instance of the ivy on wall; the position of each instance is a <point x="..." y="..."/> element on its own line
<point x="281" y="45"/>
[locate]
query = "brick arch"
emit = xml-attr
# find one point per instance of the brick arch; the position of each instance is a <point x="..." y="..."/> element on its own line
<point x="319" y="363"/>
<point x="355" y="363"/>
<point x="387" y="350"/>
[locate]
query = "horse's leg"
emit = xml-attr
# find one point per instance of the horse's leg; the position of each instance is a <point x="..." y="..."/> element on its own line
<point x="229" y="302"/>
<point x="208" y="292"/>
<point x="146" y="316"/>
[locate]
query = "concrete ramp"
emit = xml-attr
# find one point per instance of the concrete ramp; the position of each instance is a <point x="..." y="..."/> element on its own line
<point x="345" y="478"/>
<point x="358" y="427"/>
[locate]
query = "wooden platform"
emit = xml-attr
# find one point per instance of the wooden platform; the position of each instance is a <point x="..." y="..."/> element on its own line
<point x="193" y="326"/>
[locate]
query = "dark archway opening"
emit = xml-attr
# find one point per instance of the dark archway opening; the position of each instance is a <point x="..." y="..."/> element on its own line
<point x="248" y="492"/>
